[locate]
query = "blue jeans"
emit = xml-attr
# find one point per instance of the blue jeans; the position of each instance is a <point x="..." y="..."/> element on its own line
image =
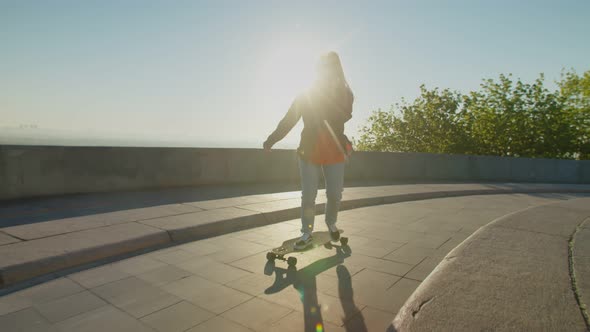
<point x="310" y="175"/>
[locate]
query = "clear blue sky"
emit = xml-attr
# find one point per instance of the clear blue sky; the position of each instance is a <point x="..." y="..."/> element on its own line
<point x="225" y="72"/>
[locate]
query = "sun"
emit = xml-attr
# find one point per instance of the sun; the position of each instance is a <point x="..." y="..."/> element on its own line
<point x="287" y="70"/>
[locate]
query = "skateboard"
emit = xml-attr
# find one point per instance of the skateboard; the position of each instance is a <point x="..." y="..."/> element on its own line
<point x="317" y="239"/>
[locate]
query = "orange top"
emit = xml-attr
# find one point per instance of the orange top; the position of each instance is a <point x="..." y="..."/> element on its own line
<point x="327" y="150"/>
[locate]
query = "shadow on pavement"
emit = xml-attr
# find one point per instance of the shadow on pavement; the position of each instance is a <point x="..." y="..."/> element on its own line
<point x="304" y="281"/>
<point x="38" y="209"/>
<point x="33" y="210"/>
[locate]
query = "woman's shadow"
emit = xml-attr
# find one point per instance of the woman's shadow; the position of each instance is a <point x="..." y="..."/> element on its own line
<point x="304" y="281"/>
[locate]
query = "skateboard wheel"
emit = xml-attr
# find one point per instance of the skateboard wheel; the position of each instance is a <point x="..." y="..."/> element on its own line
<point x="270" y="256"/>
<point x="344" y="241"/>
<point x="292" y="261"/>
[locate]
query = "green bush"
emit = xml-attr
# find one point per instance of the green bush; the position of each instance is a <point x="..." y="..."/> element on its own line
<point x="502" y="118"/>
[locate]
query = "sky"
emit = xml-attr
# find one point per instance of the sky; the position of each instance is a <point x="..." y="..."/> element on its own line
<point x="223" y="73"/>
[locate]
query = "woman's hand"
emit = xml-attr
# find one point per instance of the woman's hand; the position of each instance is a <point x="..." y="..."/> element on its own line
<point x="266" y="146"/>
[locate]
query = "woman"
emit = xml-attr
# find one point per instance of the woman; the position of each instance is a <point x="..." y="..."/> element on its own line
<point x="325" y="107"/>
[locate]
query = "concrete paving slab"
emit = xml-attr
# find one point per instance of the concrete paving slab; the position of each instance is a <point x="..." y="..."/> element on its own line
<point x="220" y="273"/>
<point x="177" y="318"/>
<point x="234" y="254"/>
<point x="434" y="225"/>
<point x="230" y="256"/>
<point x="219" y="323"/>
<point x="105" y="318"/>
<point x="410" y="254"/>
<point x="98" y="276"/>
<point x="390" y="233"/>
<point x="26" y="320"/>
<point x="376" y="279"/>
<point x="25" y="260"/>
<point x="201" y="248"/>
<point x="429" y="241"/>
<point x="337" y="310"/>
<point x="453" y="242"/>
<point x="256" y="314"/>
<point x="164" y="275"/>
<point x="50" y="290"/>
<point x="370" y="319"/>
<point x="358" y="291"/>
<point x="195" y="264"/>
<point x="254" y="284"/>
<point x="272" y="206"/>
<point x="279" y="229"/>
<point x="423" y="269"/>
<point x="13" y="303"/>
<point x="69" y="306"/>
<point x="390" y="300"/>
<point x="7" y="239"/>
<point x="76" y="224"/>
<point x="135" y="296"/>
<point x="172" y="256"/>
<point x="288" y="297"/>
<point x="206" y="294"/>
<point x="374" y="248"/>
<point x="249" y="235"/>
<point x="295" y="322"/>
<point x="331" y="285"/>
<point x="380" y="265"/>
<point x="60" y="226"/>
<point x="333" y="271"/>
<point x="138" y="265"/>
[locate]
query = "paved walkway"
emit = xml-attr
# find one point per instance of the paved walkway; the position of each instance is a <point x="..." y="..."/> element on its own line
<point x="42" y="236"/>
<point x="226" y="284"/>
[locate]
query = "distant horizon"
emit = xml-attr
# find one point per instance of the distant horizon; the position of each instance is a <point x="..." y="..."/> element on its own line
<point x="11" y="135"/>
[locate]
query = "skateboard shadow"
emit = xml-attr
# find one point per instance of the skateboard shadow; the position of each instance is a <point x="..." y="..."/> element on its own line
<point x="304" y="281"/>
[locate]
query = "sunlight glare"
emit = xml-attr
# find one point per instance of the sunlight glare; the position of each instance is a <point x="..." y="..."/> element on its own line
<point x="287" y="70"/>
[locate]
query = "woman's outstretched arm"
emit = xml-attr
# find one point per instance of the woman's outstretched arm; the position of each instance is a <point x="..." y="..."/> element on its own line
<point x="285" y="125"/>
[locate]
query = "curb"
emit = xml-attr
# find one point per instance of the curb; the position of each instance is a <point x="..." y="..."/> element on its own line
<point x="12" y="275"/>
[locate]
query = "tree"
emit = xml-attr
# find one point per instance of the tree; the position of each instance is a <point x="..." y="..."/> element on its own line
<point x="517" y="119"/>
<point x="575" y="93"/>
<point x="428" y="124"/>
<point x="502" y="118"/>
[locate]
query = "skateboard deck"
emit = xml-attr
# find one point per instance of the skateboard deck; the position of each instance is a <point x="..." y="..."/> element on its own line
<point x="317" y="239"/>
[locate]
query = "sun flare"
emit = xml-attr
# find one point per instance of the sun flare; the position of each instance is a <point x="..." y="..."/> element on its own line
<point x="287" y="70"/>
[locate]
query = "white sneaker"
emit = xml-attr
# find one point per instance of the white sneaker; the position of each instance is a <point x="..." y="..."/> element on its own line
<point x="334" y="232"/>
<point x="303" y="242"/>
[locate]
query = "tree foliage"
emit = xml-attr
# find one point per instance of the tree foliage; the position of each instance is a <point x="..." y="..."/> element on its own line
<point x="505" y="117"/>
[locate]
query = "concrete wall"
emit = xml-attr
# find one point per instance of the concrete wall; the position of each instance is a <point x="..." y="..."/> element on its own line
<point x="28" y="171"/>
